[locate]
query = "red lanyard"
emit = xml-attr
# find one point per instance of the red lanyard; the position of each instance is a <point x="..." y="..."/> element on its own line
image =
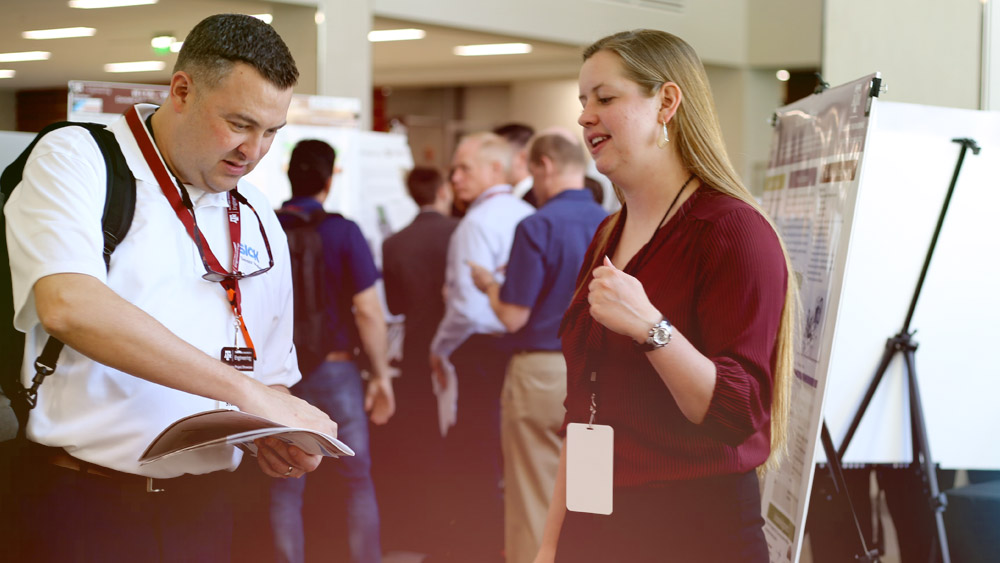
<point x="170" y="190"/>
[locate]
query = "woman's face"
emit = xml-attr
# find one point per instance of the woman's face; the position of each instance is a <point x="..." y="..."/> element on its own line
<point x="619" y="120"/>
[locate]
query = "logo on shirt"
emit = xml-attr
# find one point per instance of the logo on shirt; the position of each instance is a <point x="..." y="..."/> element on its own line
<point x="249" y="253"/>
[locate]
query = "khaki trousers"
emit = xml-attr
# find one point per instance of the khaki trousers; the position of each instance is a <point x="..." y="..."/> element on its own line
<point x="531" y="413"/>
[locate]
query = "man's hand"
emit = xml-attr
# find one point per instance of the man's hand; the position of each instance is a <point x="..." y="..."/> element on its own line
<point x="482" y="277"/>
<point x="278" y="459"/>
<point x="380" y="402"/>
<point x="437" y="371"/>
<point x="274" y="457"/>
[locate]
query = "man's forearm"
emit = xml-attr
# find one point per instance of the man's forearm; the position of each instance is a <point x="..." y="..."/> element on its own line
<point x="92" y="319"/>
<point x="370" y="320"/>
<point x="513" y="317"/>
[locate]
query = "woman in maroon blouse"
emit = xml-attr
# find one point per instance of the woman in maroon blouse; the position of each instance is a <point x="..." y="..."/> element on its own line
<point x="698" y="402"/>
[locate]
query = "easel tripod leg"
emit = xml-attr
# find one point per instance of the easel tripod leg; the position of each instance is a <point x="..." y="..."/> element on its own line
<point x="922" y="456"/>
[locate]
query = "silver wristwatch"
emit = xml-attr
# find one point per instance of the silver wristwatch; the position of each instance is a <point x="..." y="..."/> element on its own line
<point x="659" y="336"/>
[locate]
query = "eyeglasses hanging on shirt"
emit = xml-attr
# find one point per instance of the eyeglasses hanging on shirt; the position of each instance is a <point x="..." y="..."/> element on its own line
<point x="212" y="274"/>
<point x="240" y="358"/>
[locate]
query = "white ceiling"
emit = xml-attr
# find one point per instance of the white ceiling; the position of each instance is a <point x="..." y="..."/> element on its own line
<point x="123" y="35"/>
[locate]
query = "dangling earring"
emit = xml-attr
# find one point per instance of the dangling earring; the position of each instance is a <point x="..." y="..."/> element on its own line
<point x="662" y="141"/>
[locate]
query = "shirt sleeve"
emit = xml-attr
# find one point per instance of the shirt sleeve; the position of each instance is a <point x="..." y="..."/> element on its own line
<point x="741" y="295"/>
<point x="54" y="216"/>
<point x="525" y="274"/>
<point x="358" y="261"/>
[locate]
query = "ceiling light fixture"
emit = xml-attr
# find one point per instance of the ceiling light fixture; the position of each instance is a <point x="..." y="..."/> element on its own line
<point x="161" y="43"/>
<point x="266" y="18"/>
<point x="783" y="75"/>
<point x="175" y="47"/>
<point x="24" y="56"/>
<point x="492" y="49"/>
<point x="7" y="73"/>
<point x="408" y="34"/>
<point x="60" y="33"/>
<point x="94" y="4"/>
<point x="138" y="66"/>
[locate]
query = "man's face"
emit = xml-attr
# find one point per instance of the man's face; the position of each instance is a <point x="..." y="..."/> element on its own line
<point x="471" y="174"/>
<point x="226" y="130"/>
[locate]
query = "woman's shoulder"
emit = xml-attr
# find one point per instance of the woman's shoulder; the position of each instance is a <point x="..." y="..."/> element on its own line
<point x="711" y="204"/>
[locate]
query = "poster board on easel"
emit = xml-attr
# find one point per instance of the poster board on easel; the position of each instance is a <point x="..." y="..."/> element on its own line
<point x="903" y="187"/>
<point x="885" y="227"/>
<point x="810" y="192"/>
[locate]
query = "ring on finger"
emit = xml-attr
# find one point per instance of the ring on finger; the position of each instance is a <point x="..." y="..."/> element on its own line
<point x="289" y="472"/>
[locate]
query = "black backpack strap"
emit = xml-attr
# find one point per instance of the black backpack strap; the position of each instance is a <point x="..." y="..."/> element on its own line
<point x="119" y="207"/>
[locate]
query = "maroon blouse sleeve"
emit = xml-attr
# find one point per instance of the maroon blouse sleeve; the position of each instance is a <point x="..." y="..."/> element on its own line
<point x="740" y="299"/>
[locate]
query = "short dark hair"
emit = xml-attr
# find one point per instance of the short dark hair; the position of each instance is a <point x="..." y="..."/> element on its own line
<point x="310" y="167"/>
<point x="218" y="42"/>
<point x="423" y="183"/>
<point x="517" y="134"/>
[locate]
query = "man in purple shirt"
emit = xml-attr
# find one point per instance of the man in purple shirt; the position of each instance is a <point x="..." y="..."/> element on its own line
<point x="354" y="320"/>
<point x="548" y="251"/>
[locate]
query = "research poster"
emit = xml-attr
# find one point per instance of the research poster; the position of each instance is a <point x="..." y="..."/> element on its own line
<point x="810" y="192"/>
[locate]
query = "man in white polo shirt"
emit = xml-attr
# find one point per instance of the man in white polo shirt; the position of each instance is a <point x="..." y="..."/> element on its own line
<point x="204" y="268"/>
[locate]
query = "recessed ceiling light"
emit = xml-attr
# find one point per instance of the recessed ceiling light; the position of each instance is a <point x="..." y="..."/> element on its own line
<point x="24" y="56"/>
<point x="60" y="33"/>
<point x="92" y="4"/>
<point x="396" y="34"/>
<point x="162" y="42"/>
<point x="7" y="74"/>
<point x="783" y="75"/>
<point x="492" y="49"/>
<point x="266" y="18"/>
<point x="138" y="66"/>
<point x="175" y="47"/>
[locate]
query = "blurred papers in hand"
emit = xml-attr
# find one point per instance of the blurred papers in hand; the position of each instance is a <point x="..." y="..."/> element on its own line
<point x="225" y="428"/>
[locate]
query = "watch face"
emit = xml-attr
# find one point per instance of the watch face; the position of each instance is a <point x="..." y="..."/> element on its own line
<point x="660" y="336"/>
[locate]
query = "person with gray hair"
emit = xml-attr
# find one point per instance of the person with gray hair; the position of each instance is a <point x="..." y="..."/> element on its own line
<point x="465" y="352"/>
<point x="548" y="250"/>
<point x="204" y="270"/>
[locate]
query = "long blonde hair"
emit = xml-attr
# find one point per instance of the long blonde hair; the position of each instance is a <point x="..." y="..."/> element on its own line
<point x="650" y="58"/>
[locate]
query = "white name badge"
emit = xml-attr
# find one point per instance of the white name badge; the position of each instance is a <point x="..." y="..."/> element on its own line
<point x="589" y="468"/>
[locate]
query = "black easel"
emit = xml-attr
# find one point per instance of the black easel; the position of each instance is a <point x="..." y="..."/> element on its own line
<point x="903" y="343"/>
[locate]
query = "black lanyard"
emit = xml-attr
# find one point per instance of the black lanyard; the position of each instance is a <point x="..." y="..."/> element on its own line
<point x="645" y="253"/>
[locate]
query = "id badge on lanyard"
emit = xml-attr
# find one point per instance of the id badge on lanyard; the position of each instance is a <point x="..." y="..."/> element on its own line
<point x="589" y="467"/>
<point x="240" y="358"/>
<point x="590" y="450"/>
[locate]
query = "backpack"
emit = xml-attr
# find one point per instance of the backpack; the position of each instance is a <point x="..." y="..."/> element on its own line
<point x="305" y="245"/>
<point x="119" y="206"/>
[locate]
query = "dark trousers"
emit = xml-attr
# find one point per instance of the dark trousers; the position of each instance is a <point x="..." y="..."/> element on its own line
<point x="66" y="515"/>
<point x="711" y="520"/>
<point x="472" y="451"/>
<point x="408" y="465"/>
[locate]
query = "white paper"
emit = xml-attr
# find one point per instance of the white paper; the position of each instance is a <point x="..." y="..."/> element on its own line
<point x="447" y="398"/>
<point x="227" y="428"/>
